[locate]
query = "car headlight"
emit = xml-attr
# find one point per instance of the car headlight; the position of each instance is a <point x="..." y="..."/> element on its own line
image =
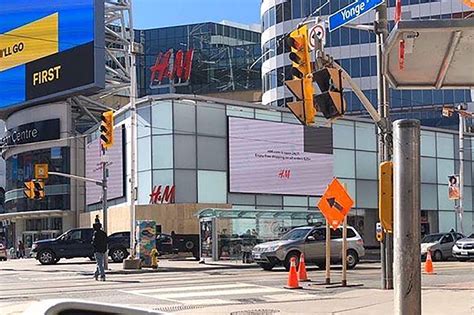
<point x="457" y="244"/>
<point x="34" y="246"/>
<point x="273" y="248"/>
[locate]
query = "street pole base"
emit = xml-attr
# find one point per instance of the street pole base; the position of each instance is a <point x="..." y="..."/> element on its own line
<point x="344" y="283"/>
<point x="328" y="280"/>
<point x="130" y="263"/>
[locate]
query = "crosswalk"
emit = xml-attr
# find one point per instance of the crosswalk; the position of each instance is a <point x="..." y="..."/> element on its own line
<point x="219" y="294"/>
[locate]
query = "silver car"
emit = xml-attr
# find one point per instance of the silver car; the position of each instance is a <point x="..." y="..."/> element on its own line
<point x="440" y="245"/>
<point x="463" y="249"/>
<point x="311" y="241"/>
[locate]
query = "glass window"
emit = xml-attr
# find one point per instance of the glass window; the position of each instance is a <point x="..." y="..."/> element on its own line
<point x="271" y="14"/>
<point x="184" y="118"/>
<point x="344" y="163"/>
<point x="428" y="143"/>
<point x="162" y="117"/>
<point x="443" y="202"/>
<point x="212" y="187"/>
<point x="185" y="182"/>
<point x="144" y="187"/>
<point x="279" y="13"/>
<point x="447" y="221"/>
<point x="350" y="186"/>
<point x="212" y="153"/>
<point x="162" y="151"/>
<point x="239" y="111"/>
<point x="343" y="134"/>
<point x="444" y="145"/>
<point x="163" y="178"/>
<point x="366" y="194"/>
<point x="185" y="151"/>
<point x="267" y="115"/>
<point x="144" y="147"/>
<point x="429" y="197"/>
<point x="295" y="201"/>
<point x="143" y="121"/>
<point x="428" y="170"/>
<point x="286" y="10"/>
<point x="467" y="198"/>
<point x="211" y="120"/>
<point x="306" y="6"/>
<point x="296" y="9"/>
<point x="366" y="165"/>
<point x="365" y="137"/>
<point x="445" y="168"/>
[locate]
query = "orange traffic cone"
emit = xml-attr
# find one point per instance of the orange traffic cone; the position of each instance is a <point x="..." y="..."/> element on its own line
<point x="302" y="275"/>
<point x="429" y="264"/>
<point x="293" y="282"/>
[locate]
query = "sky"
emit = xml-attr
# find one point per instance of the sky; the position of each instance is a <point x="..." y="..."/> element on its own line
<point x="161" y="13"/>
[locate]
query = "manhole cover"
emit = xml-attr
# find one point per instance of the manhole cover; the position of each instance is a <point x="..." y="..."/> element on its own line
<point x="256" y="312"/>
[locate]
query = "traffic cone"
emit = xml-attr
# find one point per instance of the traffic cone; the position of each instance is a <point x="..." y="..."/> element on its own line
<point x="302" y="275"/>
<point x="293" y="282"/>
<point x="429" y="264"/>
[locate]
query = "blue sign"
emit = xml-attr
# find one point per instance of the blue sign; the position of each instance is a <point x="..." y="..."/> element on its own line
<point x="50" y="49"/>
<point x="351" y="12"/>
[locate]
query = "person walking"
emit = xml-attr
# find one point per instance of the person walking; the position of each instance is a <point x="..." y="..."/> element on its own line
<point x="99" y="241"/>
<point x="21" y="249"/>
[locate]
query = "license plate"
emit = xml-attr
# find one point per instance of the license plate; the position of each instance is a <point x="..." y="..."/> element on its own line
<point x="464" y="252"/>
<point x="256" y="256"/>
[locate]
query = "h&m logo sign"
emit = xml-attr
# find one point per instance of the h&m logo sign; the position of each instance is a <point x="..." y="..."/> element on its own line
<point x="162" y="194"/>
<point x="175" y="67"/>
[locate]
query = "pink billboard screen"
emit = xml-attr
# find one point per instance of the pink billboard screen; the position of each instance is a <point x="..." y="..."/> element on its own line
<point x="279" y="158"/>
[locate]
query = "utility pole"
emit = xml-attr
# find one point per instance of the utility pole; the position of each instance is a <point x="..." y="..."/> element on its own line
<point x="460" y="209"/>
<point x="381" y="31"/>
<point x="104" y="202"/>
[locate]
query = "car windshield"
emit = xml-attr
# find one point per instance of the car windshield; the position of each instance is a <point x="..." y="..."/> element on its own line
<point x="471" y="236"/>
<point x="431" y="238"/>
<point x="295" y="234"/>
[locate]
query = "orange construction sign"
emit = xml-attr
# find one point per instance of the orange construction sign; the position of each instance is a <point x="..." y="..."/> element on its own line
<point x="335" y="204"/>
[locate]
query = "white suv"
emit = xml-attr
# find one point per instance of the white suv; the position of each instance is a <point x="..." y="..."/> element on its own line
<point x="463" y="249"/>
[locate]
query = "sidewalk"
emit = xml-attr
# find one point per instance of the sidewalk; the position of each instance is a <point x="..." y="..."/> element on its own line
<point x="355" y="302"/>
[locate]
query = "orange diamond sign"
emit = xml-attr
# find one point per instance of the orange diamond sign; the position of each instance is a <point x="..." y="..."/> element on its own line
<point x="335" y="204"/>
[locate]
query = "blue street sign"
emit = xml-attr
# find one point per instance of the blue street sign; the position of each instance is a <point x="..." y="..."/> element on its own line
<point x="351" y="12"/>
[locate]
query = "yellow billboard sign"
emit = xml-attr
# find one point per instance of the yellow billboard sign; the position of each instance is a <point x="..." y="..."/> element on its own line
<point x="29" y="42"/>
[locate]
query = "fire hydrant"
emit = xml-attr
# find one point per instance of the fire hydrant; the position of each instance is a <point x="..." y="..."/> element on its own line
<point x="154" y="258"/>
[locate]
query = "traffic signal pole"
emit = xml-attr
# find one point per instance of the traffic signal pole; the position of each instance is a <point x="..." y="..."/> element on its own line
<point x="384" y="135"/>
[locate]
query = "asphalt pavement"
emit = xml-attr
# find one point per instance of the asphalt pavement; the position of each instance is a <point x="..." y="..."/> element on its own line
<point x="186" y="287"/>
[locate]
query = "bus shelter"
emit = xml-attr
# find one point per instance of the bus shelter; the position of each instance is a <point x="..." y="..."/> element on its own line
<point x="229" y="234"/>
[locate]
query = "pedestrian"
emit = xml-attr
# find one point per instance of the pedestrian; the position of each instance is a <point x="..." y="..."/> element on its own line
<point x="21" y="249"/>
<point x="99" y="241"/>
<point x="97" y="219"/>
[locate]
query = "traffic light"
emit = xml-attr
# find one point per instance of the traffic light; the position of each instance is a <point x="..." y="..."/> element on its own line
<point x="331" y="100"/>
<point x="29" y="190"/>
<point x="39" y="189"/>
<point x="302" y="84"/>
<point x="386" y="195"/>
<point x="107" y="129"/>
<point x="378" y="232"/>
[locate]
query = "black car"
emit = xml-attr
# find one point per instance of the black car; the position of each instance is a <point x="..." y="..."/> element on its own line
<point x="77" y="243"/>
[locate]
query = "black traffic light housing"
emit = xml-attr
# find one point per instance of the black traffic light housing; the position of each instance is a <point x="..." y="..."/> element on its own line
<point x="331" y="100"/>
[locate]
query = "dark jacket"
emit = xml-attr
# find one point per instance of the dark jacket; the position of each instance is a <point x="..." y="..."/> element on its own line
<point x="99" y="240"/>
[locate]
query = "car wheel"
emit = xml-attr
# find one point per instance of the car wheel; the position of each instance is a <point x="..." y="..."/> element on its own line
<point x="266" y="266"/>
<point x="352" y="259"/>
<point x="118" y="255"/>
<point x="437" y="256"/>
<point x="189" y="245"/>
<point x="288" y="258"/>
<point x="46" y="257"/>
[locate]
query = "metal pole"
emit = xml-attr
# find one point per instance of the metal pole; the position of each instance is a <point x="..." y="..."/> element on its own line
<point x="344" y="252"/>
<point x="328" y="253"/>
<point x="104" y="205"/>
<point x="381" y="30"/>
<point x="460" y="210"/>
<point x="406" y="179"/>
<point x="133" y="134"/>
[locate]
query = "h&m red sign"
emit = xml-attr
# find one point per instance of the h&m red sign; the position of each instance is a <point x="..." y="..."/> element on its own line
<point x="162" y="194"/>
<point x="175" y="67"/>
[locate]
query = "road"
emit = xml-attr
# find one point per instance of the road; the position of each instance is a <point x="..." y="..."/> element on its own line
<point x="185" y="287"/>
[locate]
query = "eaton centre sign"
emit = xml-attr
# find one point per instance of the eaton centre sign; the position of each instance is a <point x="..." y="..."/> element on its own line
<point x="352" y="12"/>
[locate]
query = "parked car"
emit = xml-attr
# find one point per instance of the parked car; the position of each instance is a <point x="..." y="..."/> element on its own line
<point x="463" y="249"/>
<point x="311" y="241"/>
<point x="119" y="245"/>
<point x="440" y="245"/>
<point x="77" y="243"/>
<point x="3" y="252"/>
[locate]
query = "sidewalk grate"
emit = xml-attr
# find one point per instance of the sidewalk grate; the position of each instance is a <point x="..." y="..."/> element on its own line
<point x="256" y="312"/>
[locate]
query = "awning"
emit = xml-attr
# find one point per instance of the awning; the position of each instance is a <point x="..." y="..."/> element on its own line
<point x="34" y="214"/>
<point x="431" y="54"/>
<point x="259" y="213"/>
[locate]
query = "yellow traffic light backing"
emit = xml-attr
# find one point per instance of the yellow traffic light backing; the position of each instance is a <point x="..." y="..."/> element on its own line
<point x="29" y="190"/>
<point x="386" y="195"/>
<point x="302" y="84"/>
<point x="34" y="189"/>
<point x="39" y="189"/>
<point x="107" y="129"/>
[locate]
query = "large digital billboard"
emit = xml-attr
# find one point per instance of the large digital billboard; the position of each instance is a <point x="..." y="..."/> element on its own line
<point x="116" y="168"/>
<point x="50" y="49"/>
<point x="279" y="158"/>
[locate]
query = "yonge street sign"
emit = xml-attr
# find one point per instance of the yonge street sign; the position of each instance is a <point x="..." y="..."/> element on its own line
<point x="352" y="12"/>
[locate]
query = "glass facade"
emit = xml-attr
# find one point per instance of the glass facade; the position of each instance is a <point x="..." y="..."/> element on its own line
<point x="191" y="152"/>
<point x="222" y="58"/>
<point x="358" y="58"/>
<point x="20" y="168"/>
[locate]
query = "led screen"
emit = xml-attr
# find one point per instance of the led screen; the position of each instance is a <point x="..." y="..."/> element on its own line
<point x="50" y="49"/>
<point x="278" y="158"/>
<point x="116" y="178"/>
